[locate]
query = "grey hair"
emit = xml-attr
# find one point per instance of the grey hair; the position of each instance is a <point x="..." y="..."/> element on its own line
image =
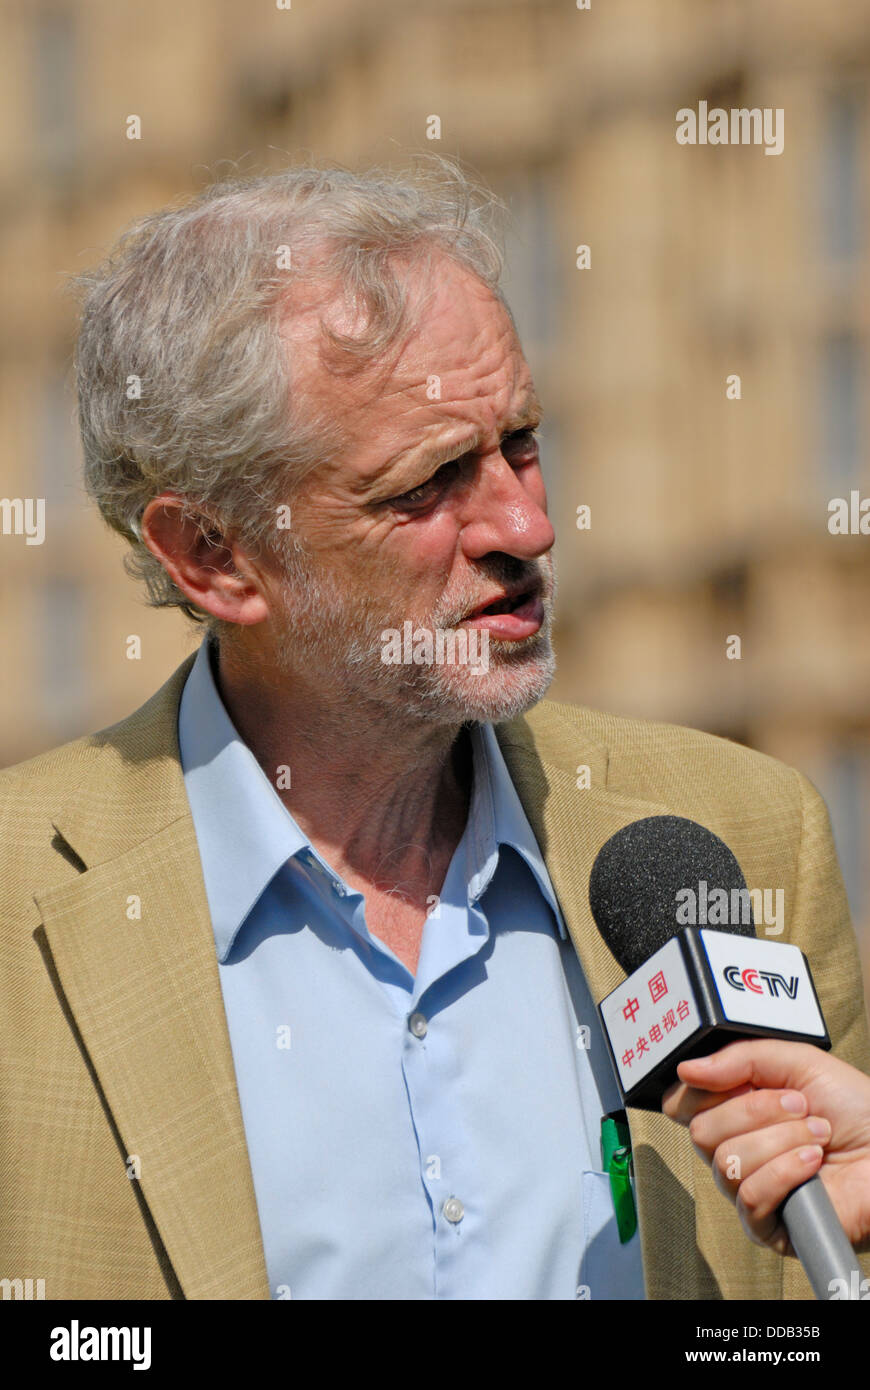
<point x="185" y="383"/>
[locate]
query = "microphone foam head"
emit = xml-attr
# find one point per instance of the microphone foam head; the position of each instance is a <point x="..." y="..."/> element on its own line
<point x="640" y="870"/>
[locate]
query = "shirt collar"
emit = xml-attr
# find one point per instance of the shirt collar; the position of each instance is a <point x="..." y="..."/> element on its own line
<point x="243" y="829"/>
<point x="496" y="817"/>
<point x="245" y="832"/>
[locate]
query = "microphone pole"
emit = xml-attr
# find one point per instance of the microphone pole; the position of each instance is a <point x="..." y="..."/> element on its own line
<point x="819" y="1241"/>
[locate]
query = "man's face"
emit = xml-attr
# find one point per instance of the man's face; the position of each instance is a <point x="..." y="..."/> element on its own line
<point x="435" y="513"/>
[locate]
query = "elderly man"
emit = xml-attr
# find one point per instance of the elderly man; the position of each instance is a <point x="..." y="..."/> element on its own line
<point x="300" y="974"/>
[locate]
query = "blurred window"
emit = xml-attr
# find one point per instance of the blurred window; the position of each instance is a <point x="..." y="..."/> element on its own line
<point x="844" y="781"/>
<point x="58" y="461"/>
<point x="531" y="273"/>
<point x="841" y="183"/>
<point x="54" y="60"/>
<point x="842" y="387"/>
<point x="64" y="662"/>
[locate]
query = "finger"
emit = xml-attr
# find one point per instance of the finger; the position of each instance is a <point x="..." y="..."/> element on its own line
<point x="753" y="1111"/>
<point x="735" y="1160"/>
<point x="681" y="1102"/>
<point x="761" y="1195"/>
<point x="763" y="1062"/>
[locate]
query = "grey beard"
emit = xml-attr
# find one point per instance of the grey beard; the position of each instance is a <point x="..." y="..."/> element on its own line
<point x="343" y="638"/>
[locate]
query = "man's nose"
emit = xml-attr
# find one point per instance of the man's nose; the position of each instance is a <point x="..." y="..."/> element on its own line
<point x="506" y="511"/>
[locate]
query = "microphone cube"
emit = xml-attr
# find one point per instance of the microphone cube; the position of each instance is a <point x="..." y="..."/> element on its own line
<point x="702" y="989"/>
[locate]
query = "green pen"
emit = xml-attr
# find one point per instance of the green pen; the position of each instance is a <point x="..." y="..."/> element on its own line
<point x="616" y="1162"/>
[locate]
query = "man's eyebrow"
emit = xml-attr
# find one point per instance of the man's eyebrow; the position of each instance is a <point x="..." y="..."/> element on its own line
<point x="527" y="415"/>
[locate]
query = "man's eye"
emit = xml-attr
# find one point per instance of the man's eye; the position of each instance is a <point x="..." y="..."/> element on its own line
<point x="417" y="497"/>
<point x="521" y="447"/>
<point x="423" y="496"/>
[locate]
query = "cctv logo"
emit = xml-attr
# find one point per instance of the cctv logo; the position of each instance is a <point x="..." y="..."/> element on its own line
<point x="751" y="980"/>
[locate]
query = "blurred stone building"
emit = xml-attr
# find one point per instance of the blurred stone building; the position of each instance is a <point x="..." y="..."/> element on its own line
<point x="709" y="513"/>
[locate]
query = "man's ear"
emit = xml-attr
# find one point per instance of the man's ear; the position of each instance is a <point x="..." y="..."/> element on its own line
<point x="210" y="568"/>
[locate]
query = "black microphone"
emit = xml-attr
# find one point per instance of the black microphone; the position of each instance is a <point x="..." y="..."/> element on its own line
<point x="670" y="900"/>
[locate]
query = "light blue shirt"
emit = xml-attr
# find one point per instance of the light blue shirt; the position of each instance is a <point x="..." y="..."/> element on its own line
<point x="409" y="1138"/>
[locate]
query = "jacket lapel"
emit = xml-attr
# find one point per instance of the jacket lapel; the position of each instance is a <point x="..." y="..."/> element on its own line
<point x="543" y="753"/>
<point x="132" y="944"/>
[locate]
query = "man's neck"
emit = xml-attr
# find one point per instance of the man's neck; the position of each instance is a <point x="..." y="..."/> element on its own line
<point x="384" y="800"/>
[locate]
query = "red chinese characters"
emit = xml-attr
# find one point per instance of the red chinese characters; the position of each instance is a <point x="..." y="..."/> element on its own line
<point x="630" y="1010"/>
<point x="648" y="1042"/>
<point x="658" y="987"/>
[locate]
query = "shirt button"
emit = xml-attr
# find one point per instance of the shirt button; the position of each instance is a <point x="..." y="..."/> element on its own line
<point x="418" y="1025"/>
<point x="453" y="1210"/>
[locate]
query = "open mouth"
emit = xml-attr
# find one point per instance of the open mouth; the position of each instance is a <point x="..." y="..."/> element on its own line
<point x="511" y="617"/>
<point x="508" y="604"/>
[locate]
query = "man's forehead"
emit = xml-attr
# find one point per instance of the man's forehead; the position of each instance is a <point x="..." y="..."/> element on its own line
<point x="458" y="377"/>
<point x="452" y="317"/>
<point x="471" y="419"/>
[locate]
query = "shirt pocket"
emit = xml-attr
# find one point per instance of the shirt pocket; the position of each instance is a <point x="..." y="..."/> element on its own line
<point x="607" y="1268"/>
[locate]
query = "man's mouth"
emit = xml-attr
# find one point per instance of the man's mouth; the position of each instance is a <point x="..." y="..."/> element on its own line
<point x="508" y="604"/>
<point x="509" y="617"/>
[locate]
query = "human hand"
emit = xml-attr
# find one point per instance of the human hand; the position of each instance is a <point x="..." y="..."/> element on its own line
<point x="766" y="1115"/>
